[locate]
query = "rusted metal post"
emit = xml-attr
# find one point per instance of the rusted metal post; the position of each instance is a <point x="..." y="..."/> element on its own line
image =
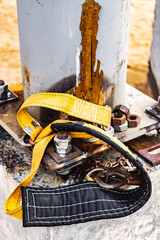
<point x="50" y="43"/>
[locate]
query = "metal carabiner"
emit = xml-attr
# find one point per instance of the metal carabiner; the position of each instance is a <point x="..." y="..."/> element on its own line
<point x="114" y="178"/>
<point x="112" y="182"/>
<point x="93" y="172"/>
<point x="98" y="173"/>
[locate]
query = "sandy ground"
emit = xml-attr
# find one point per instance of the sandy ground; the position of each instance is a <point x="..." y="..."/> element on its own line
<point x="140" y="37"/>
<point x="142" y="15"/>
<point x="10" y="67"/>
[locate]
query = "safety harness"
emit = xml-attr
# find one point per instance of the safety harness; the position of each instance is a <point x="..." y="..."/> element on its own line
<point x="79" y="202"/>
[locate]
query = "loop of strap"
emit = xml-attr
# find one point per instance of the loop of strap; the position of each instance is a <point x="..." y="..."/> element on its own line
<point x="63" y="102"/>
<point x="72" y="106"/>
<point x="12" y="205"/>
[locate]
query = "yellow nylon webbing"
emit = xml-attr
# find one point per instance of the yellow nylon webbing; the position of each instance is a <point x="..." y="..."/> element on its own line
<point x="47" y="131"/>
<point x="12" y="205"/>
<point x="56" y="101"/>
<point x="62" y="102"/>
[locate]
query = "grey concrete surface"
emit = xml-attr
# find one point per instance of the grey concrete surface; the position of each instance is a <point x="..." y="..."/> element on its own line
<point x="14" y="166"/>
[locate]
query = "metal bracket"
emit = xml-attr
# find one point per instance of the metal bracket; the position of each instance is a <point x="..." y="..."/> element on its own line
<point x="54" y="162"/>
<point x="11" y="96"/>
<point x="153" y="112"/>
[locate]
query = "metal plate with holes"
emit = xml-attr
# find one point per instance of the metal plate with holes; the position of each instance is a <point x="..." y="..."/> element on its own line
<point x="153" y="112"/>
<point x="80" y="151"/>
<point x="75" y="152"/>
<point x="148" y="147"/>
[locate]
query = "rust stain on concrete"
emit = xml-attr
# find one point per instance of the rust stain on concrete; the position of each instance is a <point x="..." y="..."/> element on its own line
<point x="89" y="86"/>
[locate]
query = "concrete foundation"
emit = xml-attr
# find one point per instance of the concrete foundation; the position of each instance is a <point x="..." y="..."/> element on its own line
<point x="142" y="225"/>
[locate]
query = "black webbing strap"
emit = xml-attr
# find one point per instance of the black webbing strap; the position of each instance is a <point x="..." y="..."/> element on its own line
<point x="78" y="203"/>
<point x="83" y="202"/>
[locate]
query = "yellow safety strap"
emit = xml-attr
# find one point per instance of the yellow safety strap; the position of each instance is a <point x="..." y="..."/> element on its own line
<point x="57" y="101"/>
<point x="47" y="131"/>
<point x="65" y="103"/>
<point x="12" y="205"/>
<point x="62" y="102"/>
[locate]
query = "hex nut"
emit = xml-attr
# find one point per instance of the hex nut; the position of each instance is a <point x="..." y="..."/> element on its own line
<point x="121" y="128"/>
<point x="3" y="90"/>
<point x="62" y="146"/>
<point x="123" y="109"/>
<point x="118" y="118"/>
<point x="133" y="120"/>
<point x="110" y="131"/>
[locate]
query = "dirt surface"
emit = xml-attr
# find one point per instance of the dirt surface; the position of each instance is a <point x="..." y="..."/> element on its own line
<point x="10" y="67"/>
<point x="140" y="37"/>
<point x="142" y="15"/>
<point x="12" y="155"/>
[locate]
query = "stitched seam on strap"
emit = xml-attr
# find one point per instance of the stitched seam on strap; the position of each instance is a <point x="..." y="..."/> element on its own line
<point x="113" y="209"/>
<point x="76" y="204"/>
<point x="72" y="98"/>
<point x="129" y="208"/>
<point x="75" y="134"/>
<point x="99" y="215"/>
<point x="75" y="190"/>
<point x="78" y="214"/>
<point x="73" y="112"/>
<point x="82" y="214"/>
<point x="27" y="116"/>
<point x="17" y="202"/>
<point x="27" y="207"/>
<point x="79" y="189"/>
<point x="82" y="203"/>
